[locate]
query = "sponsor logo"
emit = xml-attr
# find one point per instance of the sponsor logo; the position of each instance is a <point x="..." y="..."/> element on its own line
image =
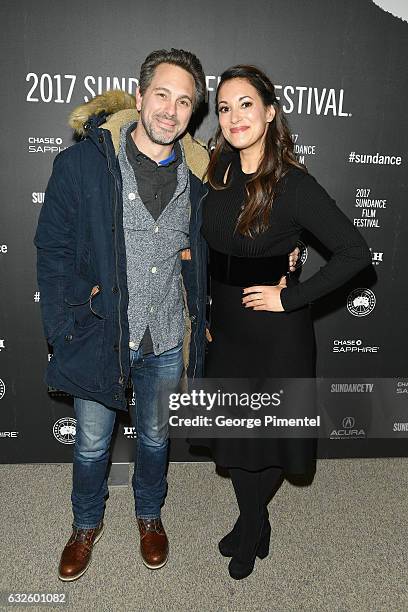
<point x="361" y="302"/>
<point x="402" y="387"/>
<point x="44" y="144"/>
<point x="2" y="389"/>
<point x="3" y="248"/>
<point x="351" y="387"/>
<point x="302" y="255"/>
<point x="2" y="345"/>
<point x="301" y="150"/>
<point x="376" y="258"/>
<point x="129" y="432"/>
<point x="9" y="434"/>
<point x="376" y="159"/>
<point x="352" y="346"/>
<point x="311" y="100"/>
<point x="64" y="430"/>
<point x="347" y="430"/>
<point x="368" y="207"/>
<point x="62" y="88"/>
<point x="38" y="197"/>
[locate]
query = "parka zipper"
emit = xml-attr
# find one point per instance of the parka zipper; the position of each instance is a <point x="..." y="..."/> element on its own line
<point x="121" y="378"/>
<point x="198" y="282"/>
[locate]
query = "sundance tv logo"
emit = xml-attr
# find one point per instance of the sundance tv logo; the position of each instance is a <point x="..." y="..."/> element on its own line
<point x="361" y="302"/>
<point x="64" y="430"/>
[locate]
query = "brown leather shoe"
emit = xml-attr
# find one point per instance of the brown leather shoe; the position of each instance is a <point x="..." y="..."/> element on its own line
<point x="76" y="556"/>
<point x="154" y="545"/>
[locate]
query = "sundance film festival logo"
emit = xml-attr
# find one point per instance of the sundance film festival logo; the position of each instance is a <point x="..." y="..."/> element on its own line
<point x="347" y="430"/>
<point x="2" y="345"/>
<point x="400" y="427"/>
<point x="37" y="197"/>
<point x="59" y="88"/>
<point x="64" y="430"/>
<point x="44" y="144"/>
<point x="3" y="248"/>
<point x="2" y="389"/>
<point x="9" y="434"/>
<point x="302" y="150"/>
<point x="361" y="302"/>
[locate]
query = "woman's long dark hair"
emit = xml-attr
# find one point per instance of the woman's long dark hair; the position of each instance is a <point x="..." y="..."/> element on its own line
<point x="278" y="154"/>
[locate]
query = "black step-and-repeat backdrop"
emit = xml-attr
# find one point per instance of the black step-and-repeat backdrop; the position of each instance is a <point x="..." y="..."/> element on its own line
<point x="340" y="68"/>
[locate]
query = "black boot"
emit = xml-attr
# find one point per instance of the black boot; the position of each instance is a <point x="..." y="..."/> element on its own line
<point x="229" y="544"/>
<point x="250" y="547"/>
<point x="253" y="491"/>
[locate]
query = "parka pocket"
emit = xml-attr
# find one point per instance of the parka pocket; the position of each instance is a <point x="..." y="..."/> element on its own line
<point x="81" y="356"/>
<point x="86" y="311"/>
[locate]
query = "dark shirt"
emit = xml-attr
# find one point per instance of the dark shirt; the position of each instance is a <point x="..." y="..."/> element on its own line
<point x="300" y="203"/>
<point x="156" y="185"/>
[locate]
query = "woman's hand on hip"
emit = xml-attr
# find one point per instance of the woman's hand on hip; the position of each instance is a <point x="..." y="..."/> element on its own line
<point x="264" y="297"/>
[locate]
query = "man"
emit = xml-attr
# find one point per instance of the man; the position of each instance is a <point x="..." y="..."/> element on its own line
<point x="121" y="270"/>
<point x="122" y="275"/>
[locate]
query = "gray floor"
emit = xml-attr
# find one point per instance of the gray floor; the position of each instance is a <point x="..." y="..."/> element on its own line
<point x="338" y="545"/>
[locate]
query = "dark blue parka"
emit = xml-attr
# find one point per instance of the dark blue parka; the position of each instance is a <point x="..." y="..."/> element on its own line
<point x="81" y="251"/>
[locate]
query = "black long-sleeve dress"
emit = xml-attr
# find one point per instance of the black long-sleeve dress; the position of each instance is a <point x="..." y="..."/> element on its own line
<point x="263" y="344"/>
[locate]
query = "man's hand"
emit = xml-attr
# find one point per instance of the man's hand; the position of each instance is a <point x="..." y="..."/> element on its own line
<point x="293" y="257"/>
<point x="264" y="297"/>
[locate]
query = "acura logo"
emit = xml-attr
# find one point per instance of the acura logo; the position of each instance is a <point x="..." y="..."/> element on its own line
<point x="348" y="422"/>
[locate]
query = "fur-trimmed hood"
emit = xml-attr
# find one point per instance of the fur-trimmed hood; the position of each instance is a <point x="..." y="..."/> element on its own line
<point x="121" y="109"/>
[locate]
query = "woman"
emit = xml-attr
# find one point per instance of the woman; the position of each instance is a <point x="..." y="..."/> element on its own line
<point x="260" y="199"/>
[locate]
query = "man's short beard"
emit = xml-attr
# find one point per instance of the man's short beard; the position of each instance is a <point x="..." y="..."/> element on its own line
<point x="156" y="137"/>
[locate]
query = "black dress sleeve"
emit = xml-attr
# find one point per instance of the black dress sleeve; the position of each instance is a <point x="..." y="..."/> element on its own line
<point x="318" y="213"/>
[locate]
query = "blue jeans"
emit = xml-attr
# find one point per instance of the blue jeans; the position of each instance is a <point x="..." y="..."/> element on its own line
<point x="152" y="376"/>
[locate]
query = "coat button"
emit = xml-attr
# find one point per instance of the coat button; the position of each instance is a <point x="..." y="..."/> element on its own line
<point x="132" y="196"/>
<point x="116" y="347"/>
<point x="87" y="125"/>
<point x="68" y="337"/>
<point x="154" y="270"/>
<point x="115" y="289"/>
<point x="116" y="397"/>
